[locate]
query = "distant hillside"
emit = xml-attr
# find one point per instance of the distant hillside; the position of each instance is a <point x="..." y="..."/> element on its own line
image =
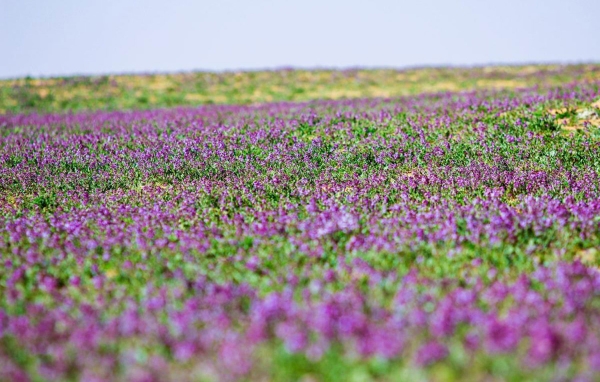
<point x="114" y="92"/>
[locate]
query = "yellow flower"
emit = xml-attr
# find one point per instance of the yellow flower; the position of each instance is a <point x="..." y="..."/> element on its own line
<point x="111" y="273"/>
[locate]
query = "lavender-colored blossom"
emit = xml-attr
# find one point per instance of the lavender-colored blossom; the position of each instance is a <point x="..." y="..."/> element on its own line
<point x="431" y="352"/>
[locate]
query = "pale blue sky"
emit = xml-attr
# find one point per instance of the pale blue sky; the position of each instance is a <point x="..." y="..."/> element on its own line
<point x="62" y="37"/>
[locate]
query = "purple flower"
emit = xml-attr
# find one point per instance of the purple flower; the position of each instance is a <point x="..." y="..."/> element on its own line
<point x="545" y="343"/>
<point x="431" y="352"/>
<point x="500" y="336"/>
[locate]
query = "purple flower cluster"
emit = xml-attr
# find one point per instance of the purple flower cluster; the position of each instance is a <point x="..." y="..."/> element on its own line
<point x="551" y="316"/>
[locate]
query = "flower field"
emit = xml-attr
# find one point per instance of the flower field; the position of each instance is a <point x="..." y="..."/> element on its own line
<point x="118" y="92"/>
<point x="448" y="233"/>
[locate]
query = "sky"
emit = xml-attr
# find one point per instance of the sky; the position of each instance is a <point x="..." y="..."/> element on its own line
<point x="70" y="37"/>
